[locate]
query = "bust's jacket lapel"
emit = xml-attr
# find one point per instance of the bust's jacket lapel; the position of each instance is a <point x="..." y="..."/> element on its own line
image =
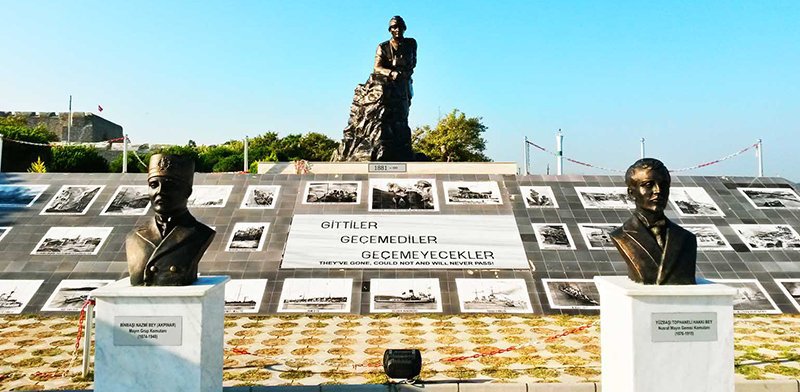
<point x="647" y="246"/>
<point x="675" y="239"/>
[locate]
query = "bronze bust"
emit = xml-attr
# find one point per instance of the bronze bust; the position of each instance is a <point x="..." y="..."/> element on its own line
<point x="657" y="250"/>
<point x="166" y="250"/>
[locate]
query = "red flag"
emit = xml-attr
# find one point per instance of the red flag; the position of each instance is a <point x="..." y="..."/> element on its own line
<point x="99" y="108"/>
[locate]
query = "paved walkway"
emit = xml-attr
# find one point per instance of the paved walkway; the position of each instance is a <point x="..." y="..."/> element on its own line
<point x="36" y="352"/>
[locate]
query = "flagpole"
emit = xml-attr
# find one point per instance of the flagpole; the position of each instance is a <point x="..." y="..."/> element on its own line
<point x="69" y="119"/>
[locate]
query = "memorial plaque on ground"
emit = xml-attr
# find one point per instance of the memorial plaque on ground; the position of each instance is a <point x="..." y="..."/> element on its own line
<point x="408" y="241"/>
<point x="148" y="330"/>
<point x="684" y="327"/>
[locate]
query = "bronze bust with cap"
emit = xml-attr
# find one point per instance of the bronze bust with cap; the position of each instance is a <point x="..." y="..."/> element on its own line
<point x="657" y="250"/>
<point x="167" y="249"/>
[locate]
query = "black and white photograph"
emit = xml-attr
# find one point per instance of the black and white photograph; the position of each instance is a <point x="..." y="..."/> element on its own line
<point x="771" y="198"/>
<point x="791" y="287"/>
<point x="70" y="294"/>
<point x="472" y="192"/>
<point x="538" y="197"/>
<point x="20" y="196"/>
<point x="4" y="231"/>
<point x="493" y="296"/>
<point x="553" y="236"/>
<point x="244" y="295"/>
<point x="399" y="194"/>
<point x="598" y="235"/>
<point x="72" y="200"/>
<point x="247" y="237"/>
<point x="693" y="201"/>
<point x="209" y="196"/>
<point x="768" y="237"/>
<point x="405" y="296"/>
<point x="596" y="197"/>
<point x="72" y="241"/>
<point x="571" y="293"/>
<point x="315" y="295"/>
<point x="128" y="200"/>
<point x="750" y="298"/>
<point x="708" y="237"/>
<point x="260" y="197"/>
<point x="332" y="192"/>
<point x="15" y="294"/>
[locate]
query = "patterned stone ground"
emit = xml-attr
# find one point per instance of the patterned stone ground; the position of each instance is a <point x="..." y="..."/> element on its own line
<point x="36" y="352"/>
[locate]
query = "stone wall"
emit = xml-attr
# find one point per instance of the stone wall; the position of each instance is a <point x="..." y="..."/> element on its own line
<point x="86" y="127"/>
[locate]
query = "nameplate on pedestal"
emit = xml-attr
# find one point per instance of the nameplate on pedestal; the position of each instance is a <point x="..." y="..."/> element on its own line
<point x="387" y="168"/>
<point x="684" y="327"/>
<point x="148" y="330"/>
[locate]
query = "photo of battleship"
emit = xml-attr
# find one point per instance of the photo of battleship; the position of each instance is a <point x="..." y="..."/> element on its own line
<point x="595" y="197"/>
<point x="393" y="194"/>
<point x="315" y="295"/>
<point x="70" y="294"/>
<point x="20" y="196"/>
<point x="128" y="200"/>
<point x="244" y="295"/>
<point x="333" y="192"/>
<point x="405" y="296"/>
<point x="72" y="200"/>
<point x="750" y="298"/>
<point x="791" y="287"/>
<point x="538" y="197"/>
<point x="493" y="296"/>
<point x="209" y="196"/>
<point x="571" y="293"/>
<point x="72" y="241"/>
<point x="553" y="236"/>
<point x="771" y="198"/>
<point x="260" y="197"/>
<point x="693" y="201"/>
<point x="598" y="235"/>
<point x="768" y="237"/>
<point x="15" y="294"/>
<point x="472" y="192"/>
<point x="247" y="237"/>
<point x="708" y="237"/>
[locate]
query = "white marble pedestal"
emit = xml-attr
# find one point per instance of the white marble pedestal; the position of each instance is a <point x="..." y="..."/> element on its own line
<point x="159" y="338"/>
<point x="665" y="338"/>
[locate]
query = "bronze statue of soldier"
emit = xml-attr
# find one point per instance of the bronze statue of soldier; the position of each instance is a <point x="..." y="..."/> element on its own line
<point x="378" y="127"/>
<point x="656" y="250"/>
<point x="167" y="249"/>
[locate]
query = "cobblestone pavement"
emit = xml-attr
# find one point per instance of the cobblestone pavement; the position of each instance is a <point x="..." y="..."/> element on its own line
<point x="37" y="352"/>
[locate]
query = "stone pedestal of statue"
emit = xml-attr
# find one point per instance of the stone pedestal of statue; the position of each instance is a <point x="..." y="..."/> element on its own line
<point x="160" y="338"/>
<point x="665" y="338"/>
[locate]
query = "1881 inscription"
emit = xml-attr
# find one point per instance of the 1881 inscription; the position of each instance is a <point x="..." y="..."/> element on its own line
<point x="684" y="327"/>
<point x="148" y="330"/>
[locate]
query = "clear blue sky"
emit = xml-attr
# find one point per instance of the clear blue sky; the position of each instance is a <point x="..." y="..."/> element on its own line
<point x="698" y="80"/>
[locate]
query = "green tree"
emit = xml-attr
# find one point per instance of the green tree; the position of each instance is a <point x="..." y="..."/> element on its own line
<point x="77" y="159"/>
<point x="17" y="157"/>
<point x="115" y="166"/>
<point x="456" y="138"/>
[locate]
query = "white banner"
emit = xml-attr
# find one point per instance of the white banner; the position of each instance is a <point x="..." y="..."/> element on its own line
<point x="404" y="241"/>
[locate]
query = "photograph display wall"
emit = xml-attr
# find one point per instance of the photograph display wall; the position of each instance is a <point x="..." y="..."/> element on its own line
<point x="693" y="201"/>
<point x="571" y="293"/>
<point x="750" y="298"/>
<point x="72" y="241"/>
<point x="493" y="296"/>
<point x="604" y="197"/>
<point x="771" y="198"/>
<point x="768" y="237"/>
<point x="128" y="200"/>
<point x="472" y="193"/>
<point x="20" y="196"/>
<point x="247" y="237"/>
<point x="72" y="200"/>
<point x="244" y="295"/>
<point x="399" y="194"/>
<point x="315" y="296"/>
<point x="405" y="296"/>
<point x="260" y="197"/>
<point x="791" y="287"/>
<point x="598" y="235"/>
<point x="209" y="196"/>
<point x="4" y="231"/>
<point x="332" y="192"/>
<point x="538" y="197"/>
<point x="15" y="294"/>
<point x="708" y="237"/>
<point x="553" y="236"/>
<point x="70" y="294"/>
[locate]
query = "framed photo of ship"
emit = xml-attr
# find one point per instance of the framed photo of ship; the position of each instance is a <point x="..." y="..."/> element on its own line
<point x="244" y="295"/>
<point x="750" y="298"/>
<point x="315" y="295"/>
<point x="405" y="296"/>
<point x="128" y="200"/>
<point x="332" y="192"/>
<point x="791" y="287"/>
<point x="70" y="294"/>
<point x="493" y="296"/>
<point x="20" y="196"/>
<point x="472" y="193"/>
<point x="72" y="200"/>
<point x="693" y="201"/>
<point x="598" y="235"/>
<point x="15" y="294"/>
<point x="771" y="198"/>
<point x="538" y="197"/>
<point x="4" y="231"/>
<point x="596" y="197"/>
<point x="209" y="196"/>
<point x="247" y="237"/>
<point x="403" y="194"/>
<point x="72" y="241"/>
<point x="553" y="236"/>
<point x="708" y="237"/>
<point x="768" y="237"/>
<point x="571" y="293"/>
<point x="260" y="197"/>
